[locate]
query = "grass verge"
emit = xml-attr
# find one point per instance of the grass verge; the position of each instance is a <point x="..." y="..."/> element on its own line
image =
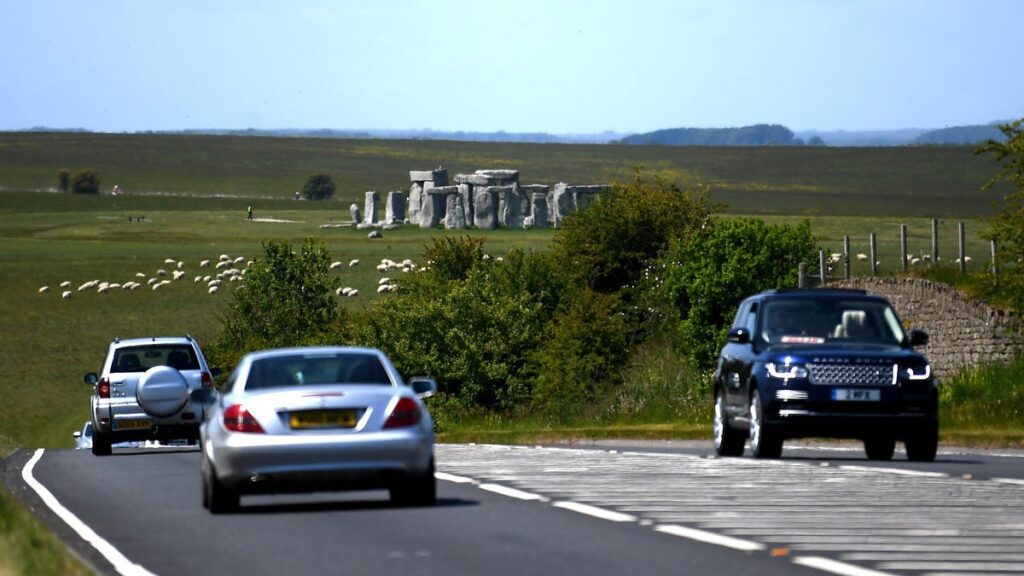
<point x="27" y="547"/>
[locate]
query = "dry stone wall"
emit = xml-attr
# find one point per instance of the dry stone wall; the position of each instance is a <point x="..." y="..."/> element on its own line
<point x="961" y="332"/>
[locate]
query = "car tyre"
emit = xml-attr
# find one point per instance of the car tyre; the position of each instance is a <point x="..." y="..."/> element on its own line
<point x="764" y="440"/>
<point x="101" y="444"/>
<point x="419" y="491"/>
<point x="879" y="448"/>
<point x="924" y="444"/>
<point x="728" y="441"/>
<point x="217" y="498"/>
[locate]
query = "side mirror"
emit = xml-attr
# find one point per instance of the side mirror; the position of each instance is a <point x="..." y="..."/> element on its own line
<point x="423" y="386"/>
<point x="215" y="372"/>
<point x="918" y="337"/>
<point x="91" y="378"/>
<point x="204" y="396"/>
<point x="738" y="336"/>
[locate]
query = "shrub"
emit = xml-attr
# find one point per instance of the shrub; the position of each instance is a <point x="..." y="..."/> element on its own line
<point x="63" y="180"/>
<point x="709" y="274"/>
<point x="318" y="187"/>
<point x="85" y="182"/>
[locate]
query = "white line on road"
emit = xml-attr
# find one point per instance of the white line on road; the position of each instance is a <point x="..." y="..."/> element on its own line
<point x="1014" y="481"/>
<point x="595" y="511"/>
<point x="709" y="537"/>
<point x="512" y="492"/>
<point x="122" y="564"/>
<point x="836" y="567"/>
<point x="898" y="471"/>
<point x="453" y="478"/>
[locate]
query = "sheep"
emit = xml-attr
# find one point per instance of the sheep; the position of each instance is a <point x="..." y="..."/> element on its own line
<point x="85" y="286"/>
<point x="103" y="288"/>
<point x="135" y="285"/>
<point x="249" y="263"/>
<point x="335" y="265"/>
<point x="337" y="291"/>
<point x="66" y="295"/>
<point x="197" y="279"/>
<point x="354" y="262"/>
<point x="862" y="256"/>
<point x="178" y="274"/>
<point x="207" y="278"/>
<point x="408" y="262"/>
<point x="127" y="286"/>
<point x="161" y="272"/>
<point x="915" y="261"/>
<point x="382" y="267"/>
<point x="113" y="285"/>
<point x="384" y="280"/>
<point x="212" y="289"/>
<point x="383" y="288"/>
<point x="140" y="275"/>
<point x="151" y="281"/>
<point x="44" y="289"/>
<point x="157" y="285"/>
<point x="353" y="293"/>
<point x="65" y="284"/>
<point x="222" y="264"/>
<point x="215" y="282"/>
<point x="345" y="291"/>
<point x="224" y="257"/>
<point x="238" y="260"/>
<point x="967" y="258"/>
<point x="181" y="264"/>
<point x="170" y="261"/>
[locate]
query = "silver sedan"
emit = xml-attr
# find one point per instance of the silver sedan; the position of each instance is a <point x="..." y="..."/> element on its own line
<point x="311" y="419"/>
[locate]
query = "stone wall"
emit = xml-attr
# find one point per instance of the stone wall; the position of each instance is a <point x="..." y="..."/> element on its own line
<point x="961" y="332"/>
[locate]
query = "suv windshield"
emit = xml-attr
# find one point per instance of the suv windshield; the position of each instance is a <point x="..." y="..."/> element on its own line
<point x="142" y="358"/>
<point x="810" y="322"/>
<point x="306" y="369"/>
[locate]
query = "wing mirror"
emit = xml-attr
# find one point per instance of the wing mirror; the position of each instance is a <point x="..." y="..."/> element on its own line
<point x="739" y="336"/>
<point x="91" y="378"/>
<point x="918" y="337"/>
<point x="423" y="386"/>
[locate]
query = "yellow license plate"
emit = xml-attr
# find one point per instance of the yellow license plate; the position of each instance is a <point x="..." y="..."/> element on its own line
<point x="132" y="424"/>
<point x="314" y="419"/>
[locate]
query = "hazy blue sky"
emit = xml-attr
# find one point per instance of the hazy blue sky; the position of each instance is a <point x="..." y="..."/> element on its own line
<point x="560" y="66"/>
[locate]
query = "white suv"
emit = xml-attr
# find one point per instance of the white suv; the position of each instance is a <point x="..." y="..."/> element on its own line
<point x="143" y="391"/>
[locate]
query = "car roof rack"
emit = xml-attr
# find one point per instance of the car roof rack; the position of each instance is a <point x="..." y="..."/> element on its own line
<point x="800" y="290"/>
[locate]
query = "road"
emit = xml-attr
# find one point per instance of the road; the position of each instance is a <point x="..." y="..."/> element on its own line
<point x="618" y="509"/>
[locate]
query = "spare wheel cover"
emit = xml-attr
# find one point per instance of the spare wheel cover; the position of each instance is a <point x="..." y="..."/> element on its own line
<point x="162" y="391"/>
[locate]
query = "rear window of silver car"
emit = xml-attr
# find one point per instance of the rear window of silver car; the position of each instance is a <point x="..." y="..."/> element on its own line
<point x="142" y="358"/>
<point x="312" y="369"/>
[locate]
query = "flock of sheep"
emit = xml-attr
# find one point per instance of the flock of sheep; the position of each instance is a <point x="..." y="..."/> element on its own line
<point x="228" y="270"/>
<point x="837" y="257"/>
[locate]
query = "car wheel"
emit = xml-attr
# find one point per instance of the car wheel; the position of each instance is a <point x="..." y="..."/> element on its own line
<point x="217" y="497"/>
<point x="764" y="441"/>
<point x="420" y="491"/>
<point x="728" y="441"/>
<point x="101" y="444"/>
<point x="923" y="444"/>
<point x="879" y="448"/>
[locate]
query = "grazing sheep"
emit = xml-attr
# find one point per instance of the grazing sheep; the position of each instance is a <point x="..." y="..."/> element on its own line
<point x="113" y="285"/>
<point x="967" y="258"/>
<point x="915" y="261"/>
<point x="215" y="282"/>
<point x="353" y="263"/>
<point x="204" y="263"/>
<point x="408" y="262"/>
<point x="384" y="280"/>
<point x="136" y="285"/>
<point x="382" y="267"/>
<point x="178" y="274"/>
<point x="353" y="293"/>
<point x="140" y="275"/>
<point x="207" y="278"/>
<point x="249" y="263"/>
<point x="66" y="295"/>
<point x="345" y="291"/>
<point x="170" y="261"/>
<point x="337" y="291"/>
<point x="238" y="260"/>
<point x="222" y="264"/>
<point x="127" y="286"/>
<point x="157" y="285"/>
<point x="862" y="256"/>
<point x="103" y="288"/>
<point x="224" y="257"/>
<point x="335" y="265"/>
<point x="161" y="272"/>
<point x="85" y="286"/>
<point x="65" y="284"/>
<point x="44" y="289"/>
<point x="213" y="289"/>
<point x="197" y="279"/>
<point x="383" y="288"/>
<point x="181" y="264"/>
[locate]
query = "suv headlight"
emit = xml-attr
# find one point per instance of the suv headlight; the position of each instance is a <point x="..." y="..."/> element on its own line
<point x="920" y="372"/>
<point x="786" y="371"/>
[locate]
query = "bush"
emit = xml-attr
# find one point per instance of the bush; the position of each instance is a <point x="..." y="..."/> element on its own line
<point x="1007" y="227"/>
<point x="64" y="180"/>
<point x="318" y="187"/>
<point x="710" y="273"/>
<point x="86" y="182"/>
<point x="287" y="299"/>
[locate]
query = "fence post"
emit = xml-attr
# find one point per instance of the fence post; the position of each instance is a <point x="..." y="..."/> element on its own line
<point x="846" y="257"/>
<point x="995" y="265"/>
<point x="801" y="277"/>
<point x="935" y="241"/>
<point x="821" y="266"/>
<point x="874" y="259"/>
<point x="963" y="255"/>
<point x="903" y="245"/>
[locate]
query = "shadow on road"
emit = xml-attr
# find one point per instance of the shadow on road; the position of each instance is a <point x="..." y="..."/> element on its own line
<point x="346" y="506"/>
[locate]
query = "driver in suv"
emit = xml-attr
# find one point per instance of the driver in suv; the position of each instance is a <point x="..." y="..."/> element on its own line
<point x="829" y="363"/>
<point x="143" y="391"/>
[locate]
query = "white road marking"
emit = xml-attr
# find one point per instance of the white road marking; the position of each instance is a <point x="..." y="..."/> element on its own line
<point x="453" y="478"/>
<point x="512" y="492"/>
<point x="1014" y="481"/>
<point x="959" y="566"/>
<point x="122" y="564"/>
<point x="595" y="511"/>
<point x="709" y="537"/>
<point x="836" y="567"/>
<point x="897" y="471"/>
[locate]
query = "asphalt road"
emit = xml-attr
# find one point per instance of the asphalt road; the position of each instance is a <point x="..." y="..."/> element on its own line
<point x="618" y="509"/>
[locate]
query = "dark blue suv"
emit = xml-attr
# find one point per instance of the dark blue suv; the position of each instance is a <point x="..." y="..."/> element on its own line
<point x="824" y="363"/>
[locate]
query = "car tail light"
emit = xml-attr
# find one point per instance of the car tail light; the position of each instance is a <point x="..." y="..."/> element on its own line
<point x="207" y="380"/>
<point x="104" y="388"/>
<point x="405" y="413"/>
<point x="238" y="419"/>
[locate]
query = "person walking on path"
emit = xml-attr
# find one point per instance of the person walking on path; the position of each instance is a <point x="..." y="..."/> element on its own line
<point x="250" y="212"/>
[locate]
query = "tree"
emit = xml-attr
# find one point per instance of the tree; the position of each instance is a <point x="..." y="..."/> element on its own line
<point x="85" y="182"/>
<point x="318" y="187"/>
<point x="1007" y="227"/>
<point x="63" y="180"/>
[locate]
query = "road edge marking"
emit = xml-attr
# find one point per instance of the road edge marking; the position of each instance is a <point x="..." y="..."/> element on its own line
<point x="596" y="512"/>
<point x="709" y="537"/>
<point x="512" y="492"/>
<point x="836" y="567"/>
<point x="120" y="562"/>
<point x="453" y="478"/>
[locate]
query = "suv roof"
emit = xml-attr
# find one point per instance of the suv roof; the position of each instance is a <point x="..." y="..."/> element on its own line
<point x="154" y="340"/>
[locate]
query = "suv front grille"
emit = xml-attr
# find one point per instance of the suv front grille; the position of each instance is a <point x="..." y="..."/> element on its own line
<point x="851" y="374"/>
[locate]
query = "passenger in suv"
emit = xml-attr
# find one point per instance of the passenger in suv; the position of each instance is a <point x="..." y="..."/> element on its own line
<point x="827" y="363"/>
<point x="143" y="392"/>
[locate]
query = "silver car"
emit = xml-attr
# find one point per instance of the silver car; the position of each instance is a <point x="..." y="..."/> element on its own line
<point x="311" y="419"/>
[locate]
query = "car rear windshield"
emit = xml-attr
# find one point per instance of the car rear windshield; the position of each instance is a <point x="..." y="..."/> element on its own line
<point x="310" y="369"/>
<point x="142" y="358"/>
<point x="810" y="322"/>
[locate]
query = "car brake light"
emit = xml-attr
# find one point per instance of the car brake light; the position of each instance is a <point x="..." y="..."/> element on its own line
<point x="238" y="419"/>
<point x="405" y="413"/>
<point x="104" y="388"/>
<point x="207" y="380"/>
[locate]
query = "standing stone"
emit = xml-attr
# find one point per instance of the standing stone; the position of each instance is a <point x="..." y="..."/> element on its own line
<point x="415" y="201"/>
<point x="466" y="191"/>
<point x="356" y="216"/>
<point x="435" y="203"/>
<point x="394" y="210"/>
<point x="510" y="208"/>
<point x="372" y="201"/>
<point x="438" y="176"/>
<point x="560" y="204"/>
<point x="485" y="207"/>
<point x="540" y="210"/>
<point x="455" y="219"/>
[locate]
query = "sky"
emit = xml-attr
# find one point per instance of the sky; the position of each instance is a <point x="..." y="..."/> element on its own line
<point x="556" y="66"/>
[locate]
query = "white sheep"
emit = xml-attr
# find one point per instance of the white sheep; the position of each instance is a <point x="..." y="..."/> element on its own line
<point x="338" y="291"/>
<point x="383" y="288"/>
<point x="384" y="280"/>
<point x="136" y="285"/>
<point x="207" y="278"/>
<point x="140" y="275"/>
<point x="161" y="272"/>
<point x="178" y="274"/>
<point x="335" y="265"/>
<point x="85" y="286"/>
<point x="915" y="261"/>
<point x="213" y="289"/>
<point x="127" y="286"/>
<point x="249" y="263"/>
<point x="113" y="285"/>
<point x="222" y="264"/>
<point x="151" y="281"/>
<point x="170" y="261"/>
<point x="354" y="262"/>
<point x="214" y="282"/>
<point x="44" y="289"/>
<point x="66" y="295"/>
<point x="352" y="293"/>
<point x="382" y="267"/>
<point x="157" y="285"/>
<point x="224" y="257"/>
<point x="65" y="284"/>
<point x="238" y="259"/>
<point x="967" y="258"/>
<point x="862" y="256"/>
<point x="408" y="262"/>
<point x="197" y="279"/>
<point x="181" y="264"/>
<point x="204" y="263"/>
<point x="103" y="288"/>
